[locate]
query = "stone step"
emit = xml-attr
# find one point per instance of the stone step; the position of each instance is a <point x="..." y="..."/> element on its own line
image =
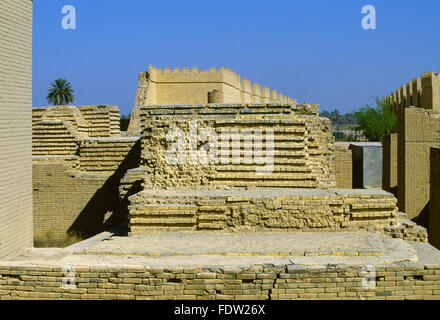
<point x="243" y="145"/>
<point x="212" y="217"/>
<point x="271" y="176"/>
<point x="136" y="213"/>
<point x="371" y="214"/>
<point x="253" y="168"/>
<point x="135" y="229"/>
<point x="273" y="184"/>
<point x="210" y="226"/>
<point x="163" y="222"/>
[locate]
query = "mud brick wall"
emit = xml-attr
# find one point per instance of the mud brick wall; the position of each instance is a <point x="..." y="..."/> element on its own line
<point x="303" y="152"/>
<point x="343" y="165"/>
<point x="76" y="197"/>
<point x="62" y="113"/>
<point x="15" y="127"/>
<point x="70" y="207"/>
<point x="98" y="121"/>
<point x="76" y="175"/>
<point x="134" y="127"/>
<point x="129" y="185"/>
<point x="103" y="120"/>
<point x="76" y="179"/>
<point x="177" y="86"/>
<point x="421" y="92"/>
<point x="109" y="154"/>
<point x="389" y="165"/>
<point x="54" y="138"/>
<point x="418" y="131"/>
<point x="269" y="210"/>
<point x="37" y="114"/>
<point x="246" y="283"/>
<point x="228" y="110"/>
<point x="434" y="213"/>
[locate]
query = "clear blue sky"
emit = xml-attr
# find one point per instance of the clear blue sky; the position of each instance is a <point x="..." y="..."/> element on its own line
<point x="313" y="51"/>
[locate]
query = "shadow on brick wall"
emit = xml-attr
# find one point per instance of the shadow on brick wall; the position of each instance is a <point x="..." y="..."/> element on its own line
<point x="106" y="210"/>
<point x="423" y="218"/>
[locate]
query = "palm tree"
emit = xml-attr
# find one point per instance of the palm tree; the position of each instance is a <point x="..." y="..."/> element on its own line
<point x="60" y="93"/>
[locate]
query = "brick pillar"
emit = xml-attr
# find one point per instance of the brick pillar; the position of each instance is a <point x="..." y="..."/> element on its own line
<point x="418" y="131"/>
<point x="389" y="165"/>
<point x="430" y="91"/>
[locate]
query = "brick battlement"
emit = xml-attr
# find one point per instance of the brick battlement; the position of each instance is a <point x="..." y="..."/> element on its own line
<point x="421" y="92"/>
<point x="179" y="86"/>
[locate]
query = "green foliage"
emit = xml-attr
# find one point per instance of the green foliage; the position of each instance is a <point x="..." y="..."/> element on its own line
<point x="338" y="119"/>
<point x="60" y="93"/>
<point x="126" y="116"/>
<point x="376" y="122"/>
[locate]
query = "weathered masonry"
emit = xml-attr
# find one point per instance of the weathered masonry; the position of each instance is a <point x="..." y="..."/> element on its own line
<point x="406" y="162"/>
<point x="184" y="86"/>
<point x="418" y="131"/>
<point x="79" y="159"/>
<point x="307" y="240"/>
<point x="15" y="127"/>
<point x="190" y="221"/>
<point x="423" y="92"/>
<point x="296" y="195"/>
<point x="161" y="87"/>
<point x="390" y="162"/>
<point x="261" y="282"/>
<point x="343" y="165"/>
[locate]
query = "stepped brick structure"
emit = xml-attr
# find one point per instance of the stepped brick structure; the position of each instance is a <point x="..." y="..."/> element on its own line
<point x="296" y="195"/>
<point x="169" y="87"/>
<point x="86" y="175"/>
<point x="187" y="216"/>
<point x="94" y="121"/>
<point x="79" y="159"/>
<point x="302" y="152"/>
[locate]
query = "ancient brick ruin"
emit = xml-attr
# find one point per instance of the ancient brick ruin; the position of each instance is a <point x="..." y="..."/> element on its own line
<point x="247" y="187"/>
<point x="82" y="147"/>
<point x="262" y="219"/>
<point x="208" y="205"/>
<point x="296" y="196"/>
<point x="407" y="153"/>
<point x="79" y="159"/>
<point x="162" y="87"/>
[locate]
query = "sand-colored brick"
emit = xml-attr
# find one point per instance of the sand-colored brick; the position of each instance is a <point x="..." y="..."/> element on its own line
<point x="15" y="127"/>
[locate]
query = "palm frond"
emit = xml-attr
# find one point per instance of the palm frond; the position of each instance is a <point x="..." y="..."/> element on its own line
<point x="60" y="93"/>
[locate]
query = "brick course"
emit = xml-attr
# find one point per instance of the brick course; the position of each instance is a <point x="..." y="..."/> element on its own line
<point x="15" y="126"/>
<point x="343" y="165"/>
<point x="418" y="131"/>
<point x="285" y="282"/>
<point x="389" y="166"/>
